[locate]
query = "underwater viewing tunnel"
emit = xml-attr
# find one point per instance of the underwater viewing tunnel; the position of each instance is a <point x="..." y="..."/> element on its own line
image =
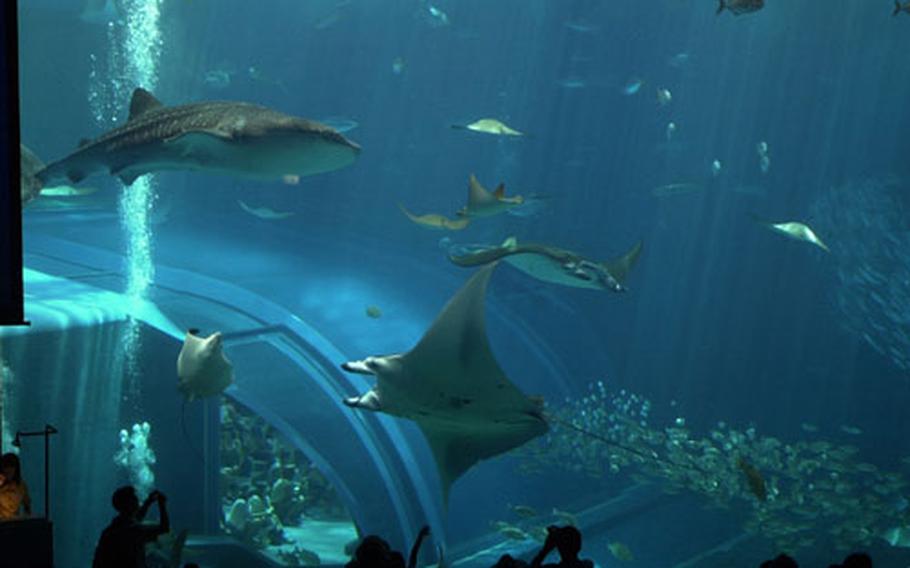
<point x="287" y="376"/>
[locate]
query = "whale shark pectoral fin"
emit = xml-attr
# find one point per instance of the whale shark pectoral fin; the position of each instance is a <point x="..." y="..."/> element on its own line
<point x="619" y="267"/>
<point x="75" y="176"/>
<point x="127" y="177"/>
<point x="367" y="401"/>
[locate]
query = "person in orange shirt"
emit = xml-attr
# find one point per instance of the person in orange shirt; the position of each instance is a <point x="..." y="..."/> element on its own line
<point x="15" y="502"/>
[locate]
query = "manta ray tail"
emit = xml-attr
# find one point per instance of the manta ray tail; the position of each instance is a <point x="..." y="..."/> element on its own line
<point x="619" y="267"/>
<point x="652" y="456"/>
<point x="186" y="435"/>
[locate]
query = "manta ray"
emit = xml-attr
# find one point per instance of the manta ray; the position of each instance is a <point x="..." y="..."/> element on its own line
<point x="484" y="203"/>
<point x="552" y="264"/>
<point x="452" y="387"/>
<point x="233" y="138"/>
<point x="202" y="368"/>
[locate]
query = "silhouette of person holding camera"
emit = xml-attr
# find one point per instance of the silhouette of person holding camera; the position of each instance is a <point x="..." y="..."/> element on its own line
<point x="122" y="544"/>
<point x="374" y="552"/>
<point x="567" y="540"/>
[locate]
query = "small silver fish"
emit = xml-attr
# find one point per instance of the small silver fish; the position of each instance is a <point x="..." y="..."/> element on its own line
<point x="739" y="7"/>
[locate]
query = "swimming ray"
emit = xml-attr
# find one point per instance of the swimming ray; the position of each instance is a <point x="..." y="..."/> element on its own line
<point x="553" y="264"/>
<point x="452" y="387"/>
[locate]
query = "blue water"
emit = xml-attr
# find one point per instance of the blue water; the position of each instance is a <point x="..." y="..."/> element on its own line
<point x="723" y="320"/>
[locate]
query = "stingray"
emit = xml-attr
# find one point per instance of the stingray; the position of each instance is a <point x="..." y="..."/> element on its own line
<point x="489" y="126"/>
<point x="485" y="203"/>
<point x="452" y="387"/>
<point x="202" y="368"/>
<point x="266" y="213"/>
<point x="794" y="230"/>
<point x="553" y="264"/>
<point x="435" y="221"/>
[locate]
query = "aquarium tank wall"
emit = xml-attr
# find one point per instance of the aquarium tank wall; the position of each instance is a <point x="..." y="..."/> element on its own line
<point x="325" y="269"/>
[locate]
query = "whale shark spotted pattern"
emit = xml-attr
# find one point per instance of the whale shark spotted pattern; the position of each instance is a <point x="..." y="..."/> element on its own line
<point x="233" y="138"/>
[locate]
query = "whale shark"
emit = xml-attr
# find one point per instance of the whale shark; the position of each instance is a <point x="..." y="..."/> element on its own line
<point x="30" y="164"/>
<point x="552" y="264"/>
<point x="234" y="138"/>
<point x="452" y="387"/>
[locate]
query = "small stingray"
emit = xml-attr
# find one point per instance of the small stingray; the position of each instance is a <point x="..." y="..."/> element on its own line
<point x="484" y="203"/>
<point x="489" y="126"/>
<point x="435" y="221"/>
<point x="453" y="388"/>
<point x="68" y="191"/>
<point x="202" y="368"/>
<point x="265" y="212"/>
<point x="555" y="265"/>
<point x="794" y="230"/>
<point x="676" y="189"/>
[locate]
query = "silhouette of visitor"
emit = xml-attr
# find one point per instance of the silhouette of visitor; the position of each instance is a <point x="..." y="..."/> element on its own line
<point x="567" y="540"/>
<point x="122" y="544"/>
<point x="856" y="560"/>
<point x="415" y="548"/>
<point x="13" y="490"/>
<point x="507" y="561"/>
<point x="374" y="552"/>
<point x="782" y="561"/>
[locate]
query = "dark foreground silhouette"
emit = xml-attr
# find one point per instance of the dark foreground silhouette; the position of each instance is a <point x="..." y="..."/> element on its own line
<point x="122" y="544"/>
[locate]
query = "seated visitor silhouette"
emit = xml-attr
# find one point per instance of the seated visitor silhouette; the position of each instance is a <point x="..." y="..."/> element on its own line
<point x="374" y="552"/>
<point x="567" y="540"/>
<point x="122" y="544"/>
<point x="782" y="561"/>
<point x="508" y="561"/>
<point x="15" y="502"/>
<point x="855" y="560"/>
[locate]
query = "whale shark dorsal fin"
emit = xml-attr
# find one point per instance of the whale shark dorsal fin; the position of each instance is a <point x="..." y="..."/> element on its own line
<point x="142" y="102"/>
<point x="510" y="243"/>
<point x="500" y="191"/>
<point x="619" y="267"/>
